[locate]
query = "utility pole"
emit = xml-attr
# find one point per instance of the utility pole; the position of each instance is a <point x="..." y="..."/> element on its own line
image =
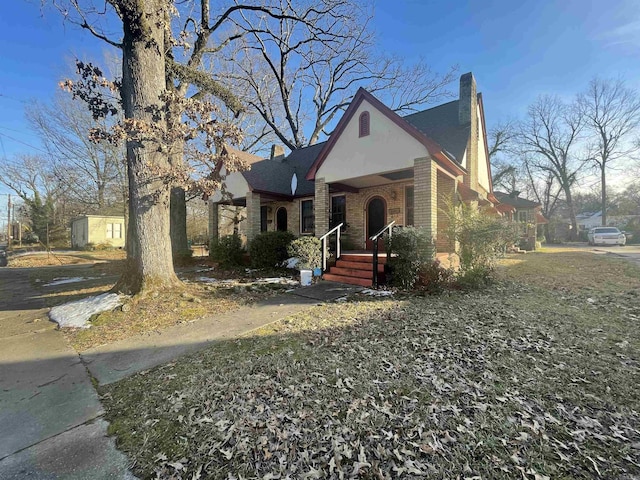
<point x="9" y="221"/>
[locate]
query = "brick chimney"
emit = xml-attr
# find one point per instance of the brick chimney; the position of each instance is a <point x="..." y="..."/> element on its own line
<point x="468" y="116"/>
<point x="277" y="153"/>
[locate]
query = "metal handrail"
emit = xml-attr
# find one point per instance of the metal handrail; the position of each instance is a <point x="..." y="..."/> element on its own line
<point x="384" y="229"/>
<point x="374" y="239"/>
<point x="323" y="240"/>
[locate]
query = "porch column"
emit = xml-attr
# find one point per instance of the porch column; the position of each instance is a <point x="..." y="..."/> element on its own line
<point x="321" y="207"/>
<point x="253" y="215"/>
<point x="214" y="231"/>
<point x="446" y="197"/>
<point x="425" y="197"/>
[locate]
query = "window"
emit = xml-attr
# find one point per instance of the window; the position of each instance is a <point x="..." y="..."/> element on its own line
<point x="408" y="206"/>
<point x="306" y="216"/>
<point x="364" y="124"/>
<point x="263" y="218"/>
<point x="114" y="230"/>
<point x="338" y="211"/>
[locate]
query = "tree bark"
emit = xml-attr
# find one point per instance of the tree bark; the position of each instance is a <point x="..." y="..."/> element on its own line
<point x="149" y="266"/>
<point x="603" y="175"/>
<point x="573" y="232"/>
<point x="179" y="241"/>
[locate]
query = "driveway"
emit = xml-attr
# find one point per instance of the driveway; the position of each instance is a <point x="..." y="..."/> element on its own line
<point x="51" y="422"/>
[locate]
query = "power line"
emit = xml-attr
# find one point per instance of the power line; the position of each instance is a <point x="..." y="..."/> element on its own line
<point x="23" y="143"/>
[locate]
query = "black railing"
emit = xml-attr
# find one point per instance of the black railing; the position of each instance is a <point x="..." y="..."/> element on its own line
<point x="374" y="239"/>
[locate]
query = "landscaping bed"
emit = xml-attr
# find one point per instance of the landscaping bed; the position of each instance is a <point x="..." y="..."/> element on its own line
<point x="526" y="379"/>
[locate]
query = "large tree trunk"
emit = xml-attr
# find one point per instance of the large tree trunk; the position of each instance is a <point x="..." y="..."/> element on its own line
<point x="179" y="242"/>
<point x="604" y="195"/>
<point x="149" y="266"/>
<point x="573" y="232"/>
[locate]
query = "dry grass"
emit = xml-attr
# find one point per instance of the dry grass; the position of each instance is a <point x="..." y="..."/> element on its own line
<point x="526" y="380"/>
<point x="148" y="315"/>
<point x="572" y="271"/>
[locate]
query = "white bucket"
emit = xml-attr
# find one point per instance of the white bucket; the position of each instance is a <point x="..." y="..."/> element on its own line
<point x="305" y="277"/>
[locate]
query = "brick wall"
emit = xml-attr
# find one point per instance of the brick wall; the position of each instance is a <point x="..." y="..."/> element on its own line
<point x="425" y="179"/>
<point x="321" y="207"/>
<point x="446" y="193"/>
<point x="253" y="215"/>
<point x="394" y="197"/>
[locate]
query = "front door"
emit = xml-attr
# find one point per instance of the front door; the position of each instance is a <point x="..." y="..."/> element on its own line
<point x="376" y="220"/>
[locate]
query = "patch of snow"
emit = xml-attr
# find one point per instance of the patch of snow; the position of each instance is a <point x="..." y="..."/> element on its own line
<point x="282" y="280"/>
<point x="77" y="314"/>
<point x="207" y="279"/>
<point x="63" y="281"/>
<point x="377" y="293"/>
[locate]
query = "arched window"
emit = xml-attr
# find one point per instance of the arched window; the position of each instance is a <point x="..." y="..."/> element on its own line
<point x="364" y="124"/>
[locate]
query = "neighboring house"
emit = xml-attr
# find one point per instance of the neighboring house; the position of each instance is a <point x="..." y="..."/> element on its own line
<point x="98" y="230"/>
<point x="376" y="167"/>
<point x="523" y="211"/>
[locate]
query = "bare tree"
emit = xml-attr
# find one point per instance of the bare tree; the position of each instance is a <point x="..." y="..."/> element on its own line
<point x="611" y="113"/>
<point x="163" y="126"/>
<point x="299" y="79"/>
<point x="91" y="172"/>
<point x="549" y="136"/>
<point x="38" y="187"/>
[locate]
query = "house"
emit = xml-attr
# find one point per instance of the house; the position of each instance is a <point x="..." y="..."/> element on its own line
<point x="525" y="212"/>
<point x="375" y="168"/>
<point x="98" y="230"/>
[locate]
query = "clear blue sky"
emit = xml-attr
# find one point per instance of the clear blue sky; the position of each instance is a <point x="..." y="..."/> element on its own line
<point x="516" y="49"/>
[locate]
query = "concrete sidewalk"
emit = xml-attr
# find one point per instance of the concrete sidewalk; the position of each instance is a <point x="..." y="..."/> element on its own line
<point x="50" y="414"/>
<point x="113" y="362"/>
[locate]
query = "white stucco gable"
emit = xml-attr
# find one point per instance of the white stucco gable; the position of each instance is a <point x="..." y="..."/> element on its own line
<point x="388" y="147"/>
<point x="235" y="184"/>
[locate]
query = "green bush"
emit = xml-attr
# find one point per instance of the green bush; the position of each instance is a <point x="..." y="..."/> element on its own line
<point x="476" y="277"/>
<point x="308" y="252"/>
<point x="227" y="251"/>
<point x="269" y="249"/>
<point x="480" y="238"/>
<point x="408" y="249"/>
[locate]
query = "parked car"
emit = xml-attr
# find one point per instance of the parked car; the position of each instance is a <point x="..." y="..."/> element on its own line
<point x="3" y="258"/>
<point x="606" y="236"/>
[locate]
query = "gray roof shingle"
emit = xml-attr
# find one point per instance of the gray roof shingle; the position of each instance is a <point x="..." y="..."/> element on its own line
<point x="441" y="124"/>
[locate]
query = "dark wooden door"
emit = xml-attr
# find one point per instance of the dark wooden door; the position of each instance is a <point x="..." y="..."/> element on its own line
<point x="281" y="219"/>
<point x="376" y="220"/>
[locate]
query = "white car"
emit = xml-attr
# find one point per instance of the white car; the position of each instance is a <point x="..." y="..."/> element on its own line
<point x="606" y="236"/>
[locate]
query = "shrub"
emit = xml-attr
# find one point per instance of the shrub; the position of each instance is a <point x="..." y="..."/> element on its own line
<point x="477" y="277"/>
<point x="227" y="251"/>
<point x="408" y="249"/>
<point x="269" y="249"/>
<point x="89" y="246"/>
<point x="480" y="238"/>
<point x="434" y="278"/>
<point x="308" y="252"/>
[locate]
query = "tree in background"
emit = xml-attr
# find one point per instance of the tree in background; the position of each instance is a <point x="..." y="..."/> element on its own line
<point x="40" y="191"/>
<point x="549" y="136"/>
<point x="300" y="79"/>
<point x="91" y="174"/>
<point x="611" y="114"/>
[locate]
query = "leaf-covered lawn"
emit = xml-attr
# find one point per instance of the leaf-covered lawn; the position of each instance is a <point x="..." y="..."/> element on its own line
<point x="519" y="381"/>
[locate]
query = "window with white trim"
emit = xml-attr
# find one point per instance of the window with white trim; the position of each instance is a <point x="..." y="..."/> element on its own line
<point x="306" y="216"/>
